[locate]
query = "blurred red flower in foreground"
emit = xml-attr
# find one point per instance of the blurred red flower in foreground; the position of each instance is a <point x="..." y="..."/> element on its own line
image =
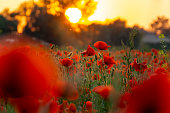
<point x="109" y="61"/>
<point x="66" y="62"/>
<point x="53" y="107"/>
<point x="103" y="91"/>
<point x="123" y="101"/>
<point x="27" y="74"/>
<point x="26" y="71"/>
<point x="26" y="104"/>
<point x="100" y="45"/>
<point x="89" y="52"/>
<point x="152" y="96"/>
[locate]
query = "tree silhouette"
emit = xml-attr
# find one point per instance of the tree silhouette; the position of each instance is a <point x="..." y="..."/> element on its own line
<point x="87" y="7"/>
<point x="6" y="25"/>
<point x="46" y="19"/>
<point x="55" y="28"/>
<point x="160" y="25"/>
<point x="112" y="33"/>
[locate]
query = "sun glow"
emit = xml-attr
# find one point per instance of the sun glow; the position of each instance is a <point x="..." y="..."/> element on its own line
<point x="73" y="15"/>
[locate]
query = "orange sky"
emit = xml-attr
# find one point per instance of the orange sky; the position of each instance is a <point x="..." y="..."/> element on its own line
<point x="140" y="12"/>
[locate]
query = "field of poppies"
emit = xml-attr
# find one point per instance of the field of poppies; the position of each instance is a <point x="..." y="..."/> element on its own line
<point x="98" y="79"/>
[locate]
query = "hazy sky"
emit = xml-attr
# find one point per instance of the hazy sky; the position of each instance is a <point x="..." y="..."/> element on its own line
<point x="135" y="11"/>
<point x="140" y="12"/>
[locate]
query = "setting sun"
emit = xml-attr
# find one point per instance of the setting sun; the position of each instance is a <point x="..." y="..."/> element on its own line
<point x="73" y="15"/>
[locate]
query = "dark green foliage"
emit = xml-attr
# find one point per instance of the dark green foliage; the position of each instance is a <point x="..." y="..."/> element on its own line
<point x="7" y="26"/>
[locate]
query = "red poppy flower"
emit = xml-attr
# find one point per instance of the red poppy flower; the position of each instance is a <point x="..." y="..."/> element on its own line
<point x="109" y="60"/>
<point x="26" y="104"/>
<point x="2" y="108"/>
<point x="152" y="96"/>
<point x="160" y="70"/>
<point x="162" y="62"/>
<point x="50" y="44"/>
<point x="53" y="107"/>
<point x="100" y="62"/>
<point x="59" y="53"/>
<point x="122" y="103"/>
<point x="89" y="52"/>
<point x="140" y="67"/>
<point x="27" y="74"/>
<point x="155" y="60"/>
<point x="66" y="53"/>
<point x="84" y="53"/>
<point x="122" y="51"/>
<point x="148" y="54"/>
<point x="88" y="64"/>
<point x="62" y="107"/>
<point x="96" y="77"/>
<point x="41" y="45"/>
<point x="89" y="106"/>
<point x="72" y="108"/>
<point x="66" y="62"/>
<point x="154" y="51"/>
<point x="76" y="58"/>
<point x="103" y="91"/>
<point x="26" y="71"/>
<point x="100" y="45"/>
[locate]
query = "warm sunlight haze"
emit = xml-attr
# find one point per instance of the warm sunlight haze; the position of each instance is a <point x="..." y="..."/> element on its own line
<point x="140" y="12"/>
<point x="73" y="15"/>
